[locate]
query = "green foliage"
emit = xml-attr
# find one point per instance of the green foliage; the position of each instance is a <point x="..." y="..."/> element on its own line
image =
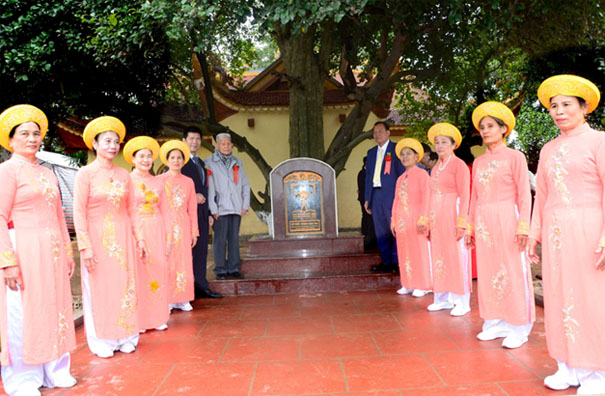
<point x="83" y="57"/>
<point x="534" y="129"/>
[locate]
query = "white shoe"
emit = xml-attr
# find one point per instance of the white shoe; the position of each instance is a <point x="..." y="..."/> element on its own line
<point x="185" y="307"/>
<point x="559" y="381"/>
<point x="142" y="331"/>
<point x="105" y="355"/>
<point x="440" y="306"/>
<point x="127" y="348"/>
<point x="64" y="381"/>
<point x="512" y="341"/>
<point x="162" y="327"/>
<point x="403" y="291"/>
<point x="420" y="293"/>
<point x="459" y="310"/>
<point x="492" y="333"/>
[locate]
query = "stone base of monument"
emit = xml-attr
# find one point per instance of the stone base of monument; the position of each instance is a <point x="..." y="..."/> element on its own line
<point x="307" y="265"/>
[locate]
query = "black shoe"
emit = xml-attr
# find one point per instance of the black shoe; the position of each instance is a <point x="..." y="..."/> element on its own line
<point x="235" y="275"/>
<point x="207" y="294"/>
<point x="382" y="267"/>
<point x="221" y="277"/>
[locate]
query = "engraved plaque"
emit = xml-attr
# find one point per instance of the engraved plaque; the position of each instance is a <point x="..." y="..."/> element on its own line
<point x="303" y="204"/>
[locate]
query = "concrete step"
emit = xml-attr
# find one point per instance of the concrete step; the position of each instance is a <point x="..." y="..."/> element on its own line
<point x="309" y="283"/>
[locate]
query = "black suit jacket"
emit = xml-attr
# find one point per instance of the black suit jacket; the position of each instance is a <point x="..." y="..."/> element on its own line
<point x="201" y="187"/>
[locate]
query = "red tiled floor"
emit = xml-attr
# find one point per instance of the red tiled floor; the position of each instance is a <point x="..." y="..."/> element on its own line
<point x="233" y="328"/>
<point x="287" y="378"/>
<point x="414" y="341"/>
<point x="299" y="326"/>
<point x="187" y="350"/>
<point x="364" y="322"/>
<point x="323" y="344"/>
<point x="393" y="372"/>
<point x="261" y="349"/>
<point x="336" y="346"/>
<point x="467" y="367"/>
<point x="224" y="379"/>
<point x="533" y="388"/>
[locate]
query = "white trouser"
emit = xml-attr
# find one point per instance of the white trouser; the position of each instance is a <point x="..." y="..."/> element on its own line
<point x="462" y="300"/>
<point x="20" y="378"/>
<point x="99" y="346"/>
<point x="591" y="381"/>
<point x="24" y="379"/>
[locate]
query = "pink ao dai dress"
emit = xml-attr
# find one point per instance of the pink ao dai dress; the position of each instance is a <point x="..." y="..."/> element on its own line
<point x="103" y="205"/>
<point x="450" y="192"/>
<point x="151" y="216"/>
<point x="410" y="208"/>
<point x="569" y="220"/>
<point x="500" y="209"/>
<point x="180" y="193"/>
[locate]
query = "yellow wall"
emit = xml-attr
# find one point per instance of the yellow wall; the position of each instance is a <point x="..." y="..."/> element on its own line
<point x="270" y="136"/>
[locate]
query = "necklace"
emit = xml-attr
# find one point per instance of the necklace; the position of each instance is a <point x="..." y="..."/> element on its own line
<point x="444" y="163"/>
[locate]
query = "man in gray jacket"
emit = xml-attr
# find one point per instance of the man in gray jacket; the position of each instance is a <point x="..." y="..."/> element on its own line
<point x="228" y="201"/>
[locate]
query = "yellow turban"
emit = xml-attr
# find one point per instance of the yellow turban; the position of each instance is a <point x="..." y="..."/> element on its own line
<point x="103" y="124"/>
<point x="497" y="110"/>
<point x="139" y="143"/>
<point x="569" y="85"/>
<point x="445" y="129"/>
<point x="410" y="143"/>
<point x="171" y="145"/>
<point x="17" y="115"/>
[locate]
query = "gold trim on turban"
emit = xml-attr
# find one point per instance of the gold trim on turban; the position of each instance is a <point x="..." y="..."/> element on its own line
<point x="569" y="85"/>
<point x="139" y="143"/>
<point x="103" y="124"/>
<point x="171" y="145"/>
<point x="17" y="115"/>
<point x="410" y="143"/>
<point x="497" y="110"/>
<point x="445" y="129"/>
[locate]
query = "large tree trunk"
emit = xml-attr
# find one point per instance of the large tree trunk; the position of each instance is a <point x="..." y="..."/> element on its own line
<point x="306" y="71"/>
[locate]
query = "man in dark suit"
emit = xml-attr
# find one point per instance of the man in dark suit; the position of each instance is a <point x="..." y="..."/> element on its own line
<point x="196" y="170"/>
<point x="383" y="170"/>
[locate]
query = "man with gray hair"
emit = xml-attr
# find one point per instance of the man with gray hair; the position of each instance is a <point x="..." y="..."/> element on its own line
<point x="228" y="201"/>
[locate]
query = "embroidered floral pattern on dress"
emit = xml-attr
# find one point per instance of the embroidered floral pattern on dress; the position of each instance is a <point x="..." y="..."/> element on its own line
<point x="154" y="287"/>
<point x="436" y="189"/>
<point x="486" y="174"/>
<point x="176" y="196"/>
<point x="151" y="200"/>
<point x="129" y="304"/>
<point x="403" y="195"/>
<point x="180" y="282"/>
<point x="559" y="173"/>
<point x="499" y="282"/>
<point x="55" y="247"/>
<point x="408" y="268"/>
<point x="177" y="233"/>
<point x="570" y="324"/>
<point x="69" y="251"/>
<point x="482" y="232"/>
<point x="439" y="270"/>
<point x="432" y="218"/>
<point x="110" y="242"/>
<point x="48" y="190"/>
<point x="115" y="192"/>
<point x="7" y="259"/>
<point x="555" y="234"/>
<point x="62" y="328"/>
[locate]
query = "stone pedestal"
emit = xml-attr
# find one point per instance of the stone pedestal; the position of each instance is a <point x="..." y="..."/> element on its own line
<point x="305" y="252"/>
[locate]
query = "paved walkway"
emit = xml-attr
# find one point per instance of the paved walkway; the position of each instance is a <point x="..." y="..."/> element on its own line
<point x="355" y="343"/>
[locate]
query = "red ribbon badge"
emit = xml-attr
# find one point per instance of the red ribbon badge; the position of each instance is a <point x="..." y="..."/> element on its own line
<point x="208" y="172"/>
<point x="387" y="164"/>
<point x="10" y="225"/>
<point x="236" y="174"/>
